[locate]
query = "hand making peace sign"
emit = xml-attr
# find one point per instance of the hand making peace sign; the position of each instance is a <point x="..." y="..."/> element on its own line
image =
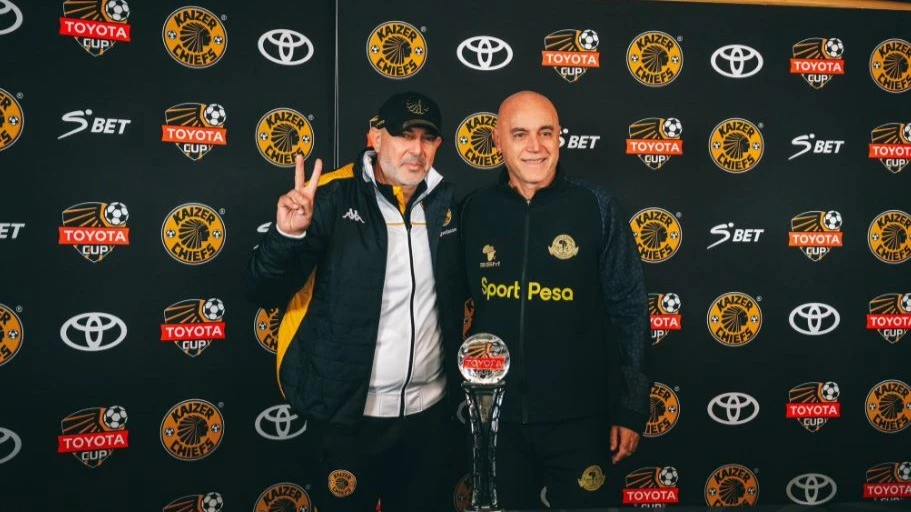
<point x="295" y="209"/>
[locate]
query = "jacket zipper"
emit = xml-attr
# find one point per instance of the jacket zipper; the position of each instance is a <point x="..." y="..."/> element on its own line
<point x="408" y="376"/>
<point x="524" y="383"/>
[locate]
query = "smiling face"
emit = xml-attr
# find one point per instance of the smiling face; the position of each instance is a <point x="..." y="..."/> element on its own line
<point x="527" y="134"/>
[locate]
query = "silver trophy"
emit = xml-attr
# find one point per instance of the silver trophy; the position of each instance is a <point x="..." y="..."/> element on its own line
<point x="484" y="360"/>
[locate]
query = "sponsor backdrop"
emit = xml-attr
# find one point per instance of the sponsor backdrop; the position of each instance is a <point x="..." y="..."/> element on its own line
<point x="759" y="152"/>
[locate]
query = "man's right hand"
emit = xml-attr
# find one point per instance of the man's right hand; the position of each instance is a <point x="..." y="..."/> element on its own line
<point x="295" y="209"/>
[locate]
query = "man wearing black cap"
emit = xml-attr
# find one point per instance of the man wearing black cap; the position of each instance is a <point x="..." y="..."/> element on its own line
<point x="365" y="259"/>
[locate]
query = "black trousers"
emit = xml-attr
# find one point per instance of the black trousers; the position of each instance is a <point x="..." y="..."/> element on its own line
<point x="400" y="462"/>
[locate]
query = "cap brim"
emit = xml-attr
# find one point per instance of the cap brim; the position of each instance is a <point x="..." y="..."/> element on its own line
<point x="423" y="123"/>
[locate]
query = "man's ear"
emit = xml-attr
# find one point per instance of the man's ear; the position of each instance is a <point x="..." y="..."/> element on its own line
<point x="374" y="138"/>
<point x="496" y="138"/>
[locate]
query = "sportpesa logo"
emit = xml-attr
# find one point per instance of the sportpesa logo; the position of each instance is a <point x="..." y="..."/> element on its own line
<point x="812" y="404"/>
<point x="731" y="485"/>
<point x="283" y="496"/>
<point x="12" y="121"/>
<point x="192" y="324"/>
<point x="890" y="143"/>
<point x="657" y="233"/>
<point x="664" y="410"/>
<point x="265" y="327"/>
<point x="889" y="236"/>
<point x="818" y="59"/>
<point x="193" y="234"/>
<point x="815" y="233"/>
<point x="95" y="229"/>
<point x="194" y="37"/>
<point x="396" y="49"/>
<point x="654" y="59"/>
<point x="734" y="319"/>
<point x="195" y="128"/>
<point x="93" y="434"/>
<point x="570" y="52"/>
<point x="283" y="133"/>
<point x="890" y="316"/>
<point x="736" y="145"/>
<point x="889" y="406"/>
<point x="96" y="25"/>
<point x="890" y="65"/>
<point x="664" y="314"/>
<point x="655" y="140"/>
<point x="11" y="334"/>
<point x="474" y="141"/>
<point x="192" y="430"/>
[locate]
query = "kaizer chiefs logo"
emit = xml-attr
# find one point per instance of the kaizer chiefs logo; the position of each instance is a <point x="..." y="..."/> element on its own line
<point x="195" y="128"/>
<point x="192" y="324"/>
<point x="818" y="59"/>
<point x="283" y="496"/>
<point x="664" y="314"/>
<point x="815" y="233"/>
<point x="654" y="59"/>
<point x="192" y="430"/>
<point x="890" y="143"/>
<point x="265" y="328"/>
<point x="96" y="25"/>
<point x="571" y="52"/>
<point x="396" y="49"/>
<point x="889" y="406"/>
<point x="664" y="410"/>
<point x="655" y="140"/>
<point x="474" y="141"/>
<point x="890" y="65"/>
<point x="209" y="502"/>
<point x="95" y="229"/>
<point x="11" y="334"/>
<point x="193" y="234"/>
<point x="657" y="233"/>
<point x="93" y="434"/>
<point x="813" y="403"/>
<point x="194" y="37"/>
<point x="734" y="319"/>
<point x="890" y="316"/>
<point x="651" y="486"/>
<point x="12" y="121"/>
<point x="736" y="145"/>
<point x="888" y="481"/>
<point x="889" y="236"/>
<point x="731" y="485"/>
<point x="342" y="483"/>
<point x="283" y="133"/>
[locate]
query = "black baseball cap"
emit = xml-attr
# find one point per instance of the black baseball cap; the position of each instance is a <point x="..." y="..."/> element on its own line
<point x="406" y="110"/>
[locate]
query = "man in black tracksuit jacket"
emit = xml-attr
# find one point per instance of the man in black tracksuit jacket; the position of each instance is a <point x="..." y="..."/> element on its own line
<point x="552" y="270"/>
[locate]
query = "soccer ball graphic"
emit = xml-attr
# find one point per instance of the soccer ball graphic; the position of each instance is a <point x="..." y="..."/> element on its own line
<point x="116" y="214"/>
<point x="830" y="391"/>
<point x="588" y="39"/>
<point x="906" y="132"/>
<point x="835" y="48"/>
<point x="671" y="302"/>
<point x="213" y="309"/>
<point x="906" y="303"/>
<point x="117" y="10"/>
<point x="672" y="127"/>
<point x="212" y="502"/>
<point x="115" y="416"/>
<point x="832" y="220"/>
<point x="668" y="476"/>
<point x="215" y="114"/>
<point x="904" y="471"/>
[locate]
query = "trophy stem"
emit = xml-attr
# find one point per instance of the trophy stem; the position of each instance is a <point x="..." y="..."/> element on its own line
<point x="484" y="402"/>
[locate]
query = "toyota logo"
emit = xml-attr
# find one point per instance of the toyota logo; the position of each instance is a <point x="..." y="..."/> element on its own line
<point x="284" y="44"/>
<point x="5" y="7"/>
<point x="7" y="438"/>
<point x="811" y="489"/>
<point x="96" y="329"/>
<point x="736" y="61"/>
<point x="736" y="408"/>
<point x="484" y="53"/>
<point x="279" y="419"/>
<point x="814" y="319"/>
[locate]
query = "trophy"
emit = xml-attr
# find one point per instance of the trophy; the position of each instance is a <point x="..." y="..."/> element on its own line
<point x="484" y="360"/>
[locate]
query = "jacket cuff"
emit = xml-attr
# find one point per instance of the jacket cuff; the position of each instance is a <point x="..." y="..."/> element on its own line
<point x="630" y="419"/>
<point x="286" y="235"/>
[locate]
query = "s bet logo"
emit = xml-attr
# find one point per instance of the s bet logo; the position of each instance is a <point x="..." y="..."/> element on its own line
<point x="577" y="141"/>
<point x="727" y="232"/>
<point x="108" y="126"/>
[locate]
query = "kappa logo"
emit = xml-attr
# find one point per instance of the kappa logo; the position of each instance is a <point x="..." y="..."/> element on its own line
<point x="655" y="140"/>
<point x="195" y="128"/>
<point x="282" y="134"/>
<point x="812" y="404"/>
<point x="192" y="430"/>
<point x="484" y="53"/>
<point x="193" y="234"/>
<point x="95" y="229"/>
<point x="889" y="237"/>
<point x="731" y="485"/>
<point x="818" y="59"/>
<point x="571" y="52"/>
<point x="284" y="45"/>
<point x="664" y="314"/>
<point x="194" y="37"/>
<point x="193" y="324"/>
<point x="209" y="502"/>
<point x="10" y="445"/>
<point x="750" y="235"/>
<point x="93" y="332"/>
<point x="815" y="233"/>
<point x="889" y="406"/>
<point x="396" y="49"/>
<point x="265" y="327"/>
<point x="283" y="496"/>
<point x="6" y="6"/>
<point x="277" y="423"/>
<point x="96" y="25"/>
<point x="93" y="434"/>
<point x="654" y="58"/>
<point x="12" y="120"/>
<point x="734" y="319"/>
<point x="890" y="65"/>
<point x="811" y="489"/>
<point x="474" y="141"/>
<point x="108" y="126"/>
<point x="733" y="408"/>
<point x="352" y="214"/>
<point x="888" y="481"/>
<point x="890" y="143"/>
<point x="653" y="485"/>
<point x="664" y="410"/>
<point x="814" y="319"/>
<point x="736" y="145"/>
<point x="658" y="234"/>
<point x="890" y="316"/>
<point x="808" y="143"/>
<point x="736" y="61"/>
<point x="12" y="334"/>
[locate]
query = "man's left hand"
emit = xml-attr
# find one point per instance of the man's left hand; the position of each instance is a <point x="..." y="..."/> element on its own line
<point x="623" y="442"/>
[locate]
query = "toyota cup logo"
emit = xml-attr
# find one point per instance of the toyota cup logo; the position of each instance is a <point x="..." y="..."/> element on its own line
<point x="733" y="408"/>
<point x="484" y="53"/>
<point x="814" y="319"/>
<point x="5" y="8"/>
<point x="10" y="444"/>
<point x="277" y="423"/>
<point x="736" y="61"/>
<point x="285" y="47"/>
<point x="811" y="489"/>
<point x="93" y="332"/>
